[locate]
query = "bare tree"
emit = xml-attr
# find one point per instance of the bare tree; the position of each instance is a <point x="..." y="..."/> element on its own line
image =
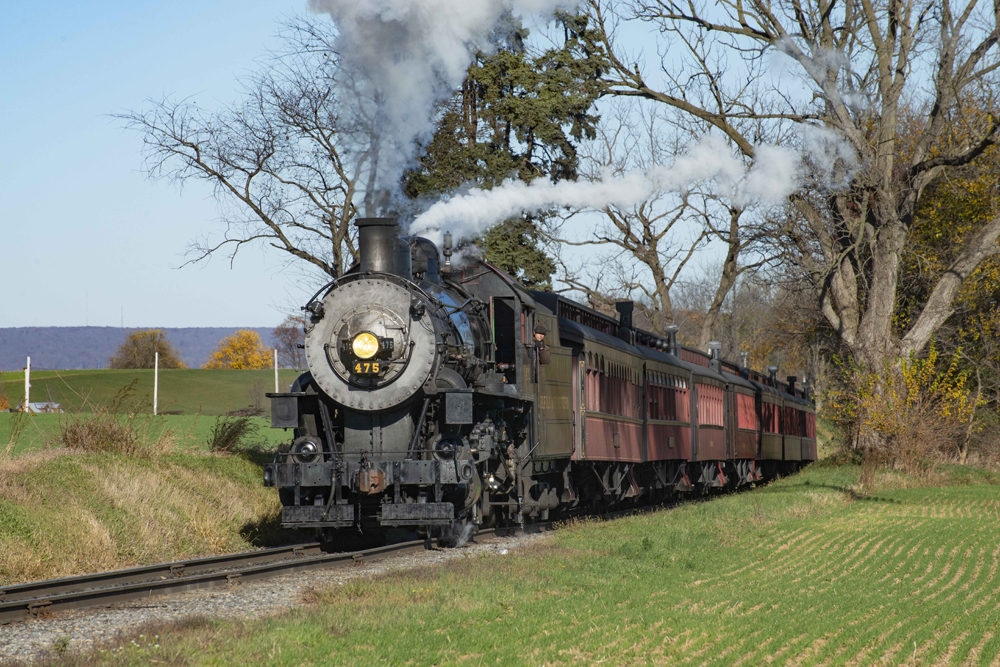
<point x="290" y="162"/>
<point x="288" y="339"/>
<point x="855" y="66"/>
<point x="653" y="243"/>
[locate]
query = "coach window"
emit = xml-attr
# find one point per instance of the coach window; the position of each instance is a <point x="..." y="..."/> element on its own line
<point x="747" y="414"/>
<point x="709" y="405"/>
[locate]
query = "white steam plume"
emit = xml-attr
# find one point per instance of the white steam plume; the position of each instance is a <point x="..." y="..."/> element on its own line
<point x="772" y="177"/>
<point x="831" y="156"/>
<point x="405" y="56"/>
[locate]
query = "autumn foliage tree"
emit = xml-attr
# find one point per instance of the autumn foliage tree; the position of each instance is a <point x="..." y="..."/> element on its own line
<point x="139" y="350"/>
<point x="244" y="350"/>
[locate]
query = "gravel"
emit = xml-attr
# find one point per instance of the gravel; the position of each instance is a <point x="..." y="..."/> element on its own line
<point x="82" y="630"/>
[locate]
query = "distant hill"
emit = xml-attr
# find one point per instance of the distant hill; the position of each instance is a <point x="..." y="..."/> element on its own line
<point x="67" y="348"/>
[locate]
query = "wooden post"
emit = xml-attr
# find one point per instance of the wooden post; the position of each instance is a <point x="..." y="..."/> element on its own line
<point x="27" y="385"/>
<point x="276" y="371"/>
<point x="156" y="380"/>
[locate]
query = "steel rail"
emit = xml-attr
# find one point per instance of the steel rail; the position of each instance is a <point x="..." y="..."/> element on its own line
<point x="149" y="573"/>
<point x="92" y="590"/>
<point x="24" y="601"/>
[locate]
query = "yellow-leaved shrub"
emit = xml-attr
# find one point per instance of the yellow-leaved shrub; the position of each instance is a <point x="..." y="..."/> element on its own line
<point x="905" y="414"/>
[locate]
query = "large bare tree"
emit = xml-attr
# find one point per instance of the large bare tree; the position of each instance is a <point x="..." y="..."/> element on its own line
<point x="851" y="67"/>
<point x="290" y="161"/>
<point x="639" y="251"/>
<point x="648" y="249"/>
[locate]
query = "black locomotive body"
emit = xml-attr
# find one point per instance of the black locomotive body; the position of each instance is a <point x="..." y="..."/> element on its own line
<point x="427" y="404"/>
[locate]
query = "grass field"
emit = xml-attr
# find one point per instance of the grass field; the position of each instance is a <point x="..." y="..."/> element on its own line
<point x="802" y="572"/>
<point x="190" y="432"/>
<point x="190" y="391"/>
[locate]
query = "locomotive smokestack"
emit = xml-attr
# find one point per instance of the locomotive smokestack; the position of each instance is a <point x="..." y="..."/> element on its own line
<point x="380" y="248"/>
<point x="377" y="244"/>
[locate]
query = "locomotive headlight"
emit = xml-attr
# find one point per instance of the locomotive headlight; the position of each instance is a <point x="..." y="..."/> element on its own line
<point x="365" y="346"/>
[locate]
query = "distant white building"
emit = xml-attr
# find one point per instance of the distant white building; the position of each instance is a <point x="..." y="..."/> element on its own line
<point x="40" y="408"/>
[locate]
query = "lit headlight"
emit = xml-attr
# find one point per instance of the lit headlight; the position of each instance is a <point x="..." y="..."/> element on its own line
<point x="365" y="346"/>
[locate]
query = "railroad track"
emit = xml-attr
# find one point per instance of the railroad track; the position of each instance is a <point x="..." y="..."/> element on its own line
<point x="41" y="598"/>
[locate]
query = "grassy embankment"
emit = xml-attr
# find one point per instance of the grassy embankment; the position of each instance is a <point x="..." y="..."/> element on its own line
<point x="200" y="395"/>
<point x="804" y="571"/>
<point x="64" y="512"/>
<point x="71" y="511"/>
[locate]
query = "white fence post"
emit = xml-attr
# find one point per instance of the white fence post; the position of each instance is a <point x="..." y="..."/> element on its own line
<point x="156" y="381"/>
<point x="27" y="385"/>
<point x="276" y="371"/>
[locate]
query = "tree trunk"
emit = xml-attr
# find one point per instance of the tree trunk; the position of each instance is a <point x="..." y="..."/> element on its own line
<point x="730" y="271"/>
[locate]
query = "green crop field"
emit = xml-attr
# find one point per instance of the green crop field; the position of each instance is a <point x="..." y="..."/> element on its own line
<point x="198" y="395"/>
<point x="805" y="571"/>
<point x="188" y="391"/>
<point x="189" y="432"/>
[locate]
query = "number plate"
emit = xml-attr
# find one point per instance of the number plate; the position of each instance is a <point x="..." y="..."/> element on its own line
<point x="367" y="368"/>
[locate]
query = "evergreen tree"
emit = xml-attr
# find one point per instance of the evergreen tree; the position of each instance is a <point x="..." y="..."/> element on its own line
<point x="518" y="115"/>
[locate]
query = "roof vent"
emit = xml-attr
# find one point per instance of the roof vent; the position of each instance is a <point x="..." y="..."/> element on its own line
<point x="671" y="331"/>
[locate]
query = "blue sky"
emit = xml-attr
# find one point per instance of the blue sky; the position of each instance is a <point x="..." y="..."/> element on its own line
<point x="84" y="236"/>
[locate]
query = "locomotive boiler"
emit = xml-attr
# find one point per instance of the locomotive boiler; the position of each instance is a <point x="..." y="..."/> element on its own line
<point x="429" y="404"/>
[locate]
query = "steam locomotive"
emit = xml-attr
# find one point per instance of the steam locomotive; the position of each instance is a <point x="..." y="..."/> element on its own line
<point x="429" y="405"/>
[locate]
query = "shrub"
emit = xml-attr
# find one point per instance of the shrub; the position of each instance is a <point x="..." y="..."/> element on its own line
<point x="15" y="426"/>
<point x="140" y="348"/>
<point x="905" y="414"/>
<point x="256" y="392"/>
<point x="242" y="351"/>
<point x="229" y="433"/>
<point x="118" y="428"/>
